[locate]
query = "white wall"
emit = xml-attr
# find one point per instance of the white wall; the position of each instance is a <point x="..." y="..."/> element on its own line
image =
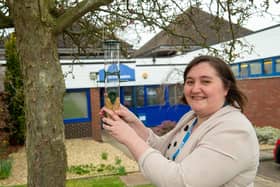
<point x="266" y="43"/>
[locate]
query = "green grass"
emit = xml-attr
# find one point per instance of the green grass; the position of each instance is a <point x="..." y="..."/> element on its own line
<point x="96" y="182"/>
<point x="108" y="181"/>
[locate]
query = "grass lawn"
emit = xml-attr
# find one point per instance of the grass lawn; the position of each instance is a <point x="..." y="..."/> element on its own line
<point x="98" y="182"/>
<point x="112" y="181"/>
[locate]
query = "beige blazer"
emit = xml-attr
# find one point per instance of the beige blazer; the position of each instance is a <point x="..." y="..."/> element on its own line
<point x="222" y="151"/>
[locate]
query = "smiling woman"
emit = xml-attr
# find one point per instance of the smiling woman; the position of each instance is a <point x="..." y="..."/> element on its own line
<point x="206" y="141"/>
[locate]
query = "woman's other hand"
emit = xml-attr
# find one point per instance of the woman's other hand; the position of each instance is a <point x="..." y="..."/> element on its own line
<point x="127" y="115"/>
<point x="123" y="132"/>
<point x="129" y="118"/>
<point x="117" y="127"/>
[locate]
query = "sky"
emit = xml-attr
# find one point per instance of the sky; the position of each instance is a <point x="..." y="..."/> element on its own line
<point x="257" y="22"/>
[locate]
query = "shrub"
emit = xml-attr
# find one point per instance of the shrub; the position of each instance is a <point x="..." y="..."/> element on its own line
<point x="5" y="168"/>
<point x="14" y="94"/>
<point x="104" y="156"/>
<point x="164" y="127"/>
<point x="267" y="134"/>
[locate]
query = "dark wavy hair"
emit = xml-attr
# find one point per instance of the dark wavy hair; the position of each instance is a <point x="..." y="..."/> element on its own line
<point x="235" y="97"/>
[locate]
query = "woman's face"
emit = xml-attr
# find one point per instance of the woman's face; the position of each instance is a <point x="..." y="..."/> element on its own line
<point x="204" y="90"/>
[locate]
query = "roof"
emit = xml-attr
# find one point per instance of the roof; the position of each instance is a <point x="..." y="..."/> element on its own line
<point x="82" y="43"/>
<point x="199" y="28"/>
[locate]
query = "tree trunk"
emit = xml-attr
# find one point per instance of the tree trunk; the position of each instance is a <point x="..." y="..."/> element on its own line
<point x="43" y="89"/>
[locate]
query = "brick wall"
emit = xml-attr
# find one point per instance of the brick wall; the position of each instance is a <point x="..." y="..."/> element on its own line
<point x="77" y="130"/>
<point x="95" y="118"/>
<point x="263" y="107"/>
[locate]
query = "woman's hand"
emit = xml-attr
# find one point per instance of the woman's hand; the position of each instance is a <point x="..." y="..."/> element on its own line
<point x="129" y="118"/>
<point x="127" y="115"/>
<point x="117" y="127"/>
<point x="123" y="132"/>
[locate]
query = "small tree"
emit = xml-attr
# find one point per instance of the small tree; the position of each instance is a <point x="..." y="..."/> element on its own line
<point x="14" y="94"/>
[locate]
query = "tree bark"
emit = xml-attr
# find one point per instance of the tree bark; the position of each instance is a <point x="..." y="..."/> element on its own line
<point x="44" y="88"/>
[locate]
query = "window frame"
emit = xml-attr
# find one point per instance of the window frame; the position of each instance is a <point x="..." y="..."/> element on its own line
<point x="176" y="98"/>
<point x="250" y="68"/>
<point x="270" y="61"/>
<point x="82" y="119"/>
<point x="262" y="61"/>
<point x="238" y="69"/>
<point x="247" y="70"/>
<point x="274" y="65"/>
<point x="162" y="98"/>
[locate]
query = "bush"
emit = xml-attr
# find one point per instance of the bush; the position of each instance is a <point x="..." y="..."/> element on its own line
<point x="164" y="127"/>
<point x="5" y="168"/>
<point x="14" y="94"/>
<point x="104" y="156"/>
<point x="267" y="135"/>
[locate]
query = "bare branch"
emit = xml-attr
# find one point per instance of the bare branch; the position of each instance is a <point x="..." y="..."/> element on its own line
<point x="74" y="13"/>
<point x="6" y="20"/>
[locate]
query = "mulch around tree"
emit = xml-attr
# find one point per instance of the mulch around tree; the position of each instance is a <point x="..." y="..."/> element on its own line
<point x="5" y="148"/>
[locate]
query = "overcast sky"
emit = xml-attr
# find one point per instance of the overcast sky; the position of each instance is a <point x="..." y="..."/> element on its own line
<point x="255" y="23"/>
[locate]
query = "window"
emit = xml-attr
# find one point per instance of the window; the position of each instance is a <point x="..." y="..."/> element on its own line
<point x="267" y="64"/>
<point x="277" y="65"/>
<point x="155" y="95"/>
<point x="244" y="70"/>
<point x="76" y="106"/>
<point x="139" y="96"/>
<point x="235" y="70"/>
<point x="127" y="98"/>
<point x="175" y="93"/>
<point x="255" y="68"/>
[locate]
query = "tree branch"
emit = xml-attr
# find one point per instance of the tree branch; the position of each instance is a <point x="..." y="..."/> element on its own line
<point x="6" y="20"/>
<point x="73" y="14"/>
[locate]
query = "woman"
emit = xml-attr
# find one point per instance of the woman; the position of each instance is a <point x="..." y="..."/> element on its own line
<point x="212" y="145"/>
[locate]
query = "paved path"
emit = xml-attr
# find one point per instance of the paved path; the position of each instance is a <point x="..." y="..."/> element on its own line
<point x="138" y="179"/>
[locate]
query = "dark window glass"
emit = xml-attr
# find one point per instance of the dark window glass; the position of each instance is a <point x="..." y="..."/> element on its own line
<point x="155" y="95"/>
<point x="139" y="96"/>
<point x="175" y="93"/>
<point x="267" y="66"/>
<point x="128" y="93"/>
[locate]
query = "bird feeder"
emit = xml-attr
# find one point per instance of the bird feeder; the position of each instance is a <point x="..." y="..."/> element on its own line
<point x="112" y="74"/>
